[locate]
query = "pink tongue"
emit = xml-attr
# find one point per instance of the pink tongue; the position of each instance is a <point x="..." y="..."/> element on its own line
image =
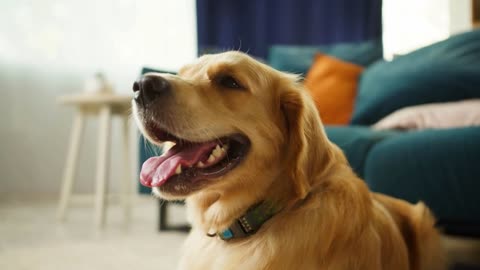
<point x="157" y="170"/>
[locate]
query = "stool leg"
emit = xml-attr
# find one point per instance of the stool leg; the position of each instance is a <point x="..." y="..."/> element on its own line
<point x="128" y="184"/>
<point x="70" y="166"/>
<point x="102" y="166"/>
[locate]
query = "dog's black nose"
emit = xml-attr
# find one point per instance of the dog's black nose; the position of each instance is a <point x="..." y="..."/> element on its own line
<point x="150" y="87"/>
<point x="136" y="87"/>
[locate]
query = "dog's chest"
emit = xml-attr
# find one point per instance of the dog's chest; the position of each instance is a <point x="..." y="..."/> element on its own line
<point x="202" y="252"/>
<point x="212" y="253"/>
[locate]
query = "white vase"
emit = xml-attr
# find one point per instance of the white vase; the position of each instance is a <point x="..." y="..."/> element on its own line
<point x="98" y="84"/>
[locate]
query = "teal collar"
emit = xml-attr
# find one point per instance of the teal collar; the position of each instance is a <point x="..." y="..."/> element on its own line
<point x="250" y="222"/>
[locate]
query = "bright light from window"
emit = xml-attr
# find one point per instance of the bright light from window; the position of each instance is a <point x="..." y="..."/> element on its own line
<point x="98" y="35"/>
<point x="411" y="24"/>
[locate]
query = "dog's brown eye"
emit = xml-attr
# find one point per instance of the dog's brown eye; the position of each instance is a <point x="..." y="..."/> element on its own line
<point x="229" y="82"/>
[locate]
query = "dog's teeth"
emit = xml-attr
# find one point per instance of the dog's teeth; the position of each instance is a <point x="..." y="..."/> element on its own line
<point x="178" y="170"/>
<point x="216" y="152"/>
<point x="200" y="164"/>
<point x="225" y="147"/>
<point x="211" y="158"/>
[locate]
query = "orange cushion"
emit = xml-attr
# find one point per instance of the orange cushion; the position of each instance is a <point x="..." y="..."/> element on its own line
<point x="333" y="86"/>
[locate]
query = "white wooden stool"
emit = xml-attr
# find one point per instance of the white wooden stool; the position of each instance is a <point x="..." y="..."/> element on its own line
<point x="104" y="106"/>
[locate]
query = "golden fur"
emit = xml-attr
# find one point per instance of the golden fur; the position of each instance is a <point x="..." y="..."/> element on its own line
<point x="329" y="219"/>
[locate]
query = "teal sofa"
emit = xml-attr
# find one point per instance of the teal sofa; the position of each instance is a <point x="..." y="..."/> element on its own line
<point x="439" y="167"/>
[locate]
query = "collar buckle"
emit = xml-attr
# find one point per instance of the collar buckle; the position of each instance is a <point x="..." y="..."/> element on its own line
<point x="234" y="231"/>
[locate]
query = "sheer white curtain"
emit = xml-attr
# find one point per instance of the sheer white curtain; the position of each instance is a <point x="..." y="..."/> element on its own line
<point x="91" y="34"/>
<point x="48" y="48"/>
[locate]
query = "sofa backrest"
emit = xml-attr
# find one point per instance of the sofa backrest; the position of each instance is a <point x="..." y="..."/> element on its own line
<point x="445" y="71"/>
<point x="298" y="59"/>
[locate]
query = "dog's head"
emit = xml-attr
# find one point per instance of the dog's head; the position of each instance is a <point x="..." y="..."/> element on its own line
<point x="237" y="124"/>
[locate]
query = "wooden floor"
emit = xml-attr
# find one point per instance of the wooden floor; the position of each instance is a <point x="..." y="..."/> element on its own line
<point x="463" y="251"/>
<point x="31" y="238"/>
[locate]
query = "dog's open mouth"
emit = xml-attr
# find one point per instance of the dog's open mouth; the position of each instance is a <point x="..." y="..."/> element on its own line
<point x="189" y="162"/>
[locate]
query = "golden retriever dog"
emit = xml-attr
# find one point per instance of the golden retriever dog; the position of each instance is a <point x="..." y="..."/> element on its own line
<point x="264" y="187"/>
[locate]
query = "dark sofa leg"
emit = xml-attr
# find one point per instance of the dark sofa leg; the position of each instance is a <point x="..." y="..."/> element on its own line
<point x="162" y="215"/>
<point x="162" y="219"/>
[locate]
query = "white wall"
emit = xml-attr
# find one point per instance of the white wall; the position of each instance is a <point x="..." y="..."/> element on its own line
<point x="48" y="48"/>
<point x="411" y="24"/>
<point x="460" y="15"/>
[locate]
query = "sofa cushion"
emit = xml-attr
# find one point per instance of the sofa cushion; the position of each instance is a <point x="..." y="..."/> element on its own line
<point x="333" y="86"/>
<point x="445" y="71"/>
<point x="298" y="59"/>
<point x="439" y="167"/>
<point x="356" y="142"/>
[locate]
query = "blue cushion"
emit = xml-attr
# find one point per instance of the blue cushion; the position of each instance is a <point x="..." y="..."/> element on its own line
<point x="298" y="59"/>
<point x="445" y="71"/>
<point x="439" y="167"/>
<point x="356" y="142"/>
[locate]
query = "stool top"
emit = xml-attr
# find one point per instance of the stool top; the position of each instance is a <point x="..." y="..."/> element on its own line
<point x="120" y="103"/>
<point x="95" y="99"/>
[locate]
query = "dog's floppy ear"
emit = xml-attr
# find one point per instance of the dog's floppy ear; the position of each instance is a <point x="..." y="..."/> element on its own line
<point x="307" y="146"/>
